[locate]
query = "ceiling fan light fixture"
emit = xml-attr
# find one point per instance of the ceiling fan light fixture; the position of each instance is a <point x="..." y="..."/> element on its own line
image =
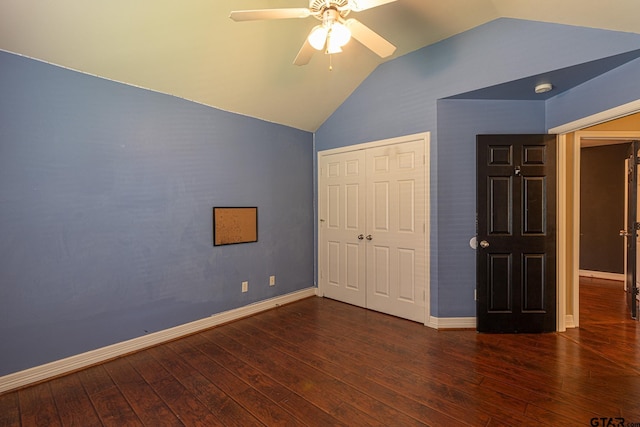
<point x="332" y="46"/>
<point x="340" y="34"/>
<point x="333" y="36"/>
<point x="318" y="37"/>
<point x="334" y="32"/>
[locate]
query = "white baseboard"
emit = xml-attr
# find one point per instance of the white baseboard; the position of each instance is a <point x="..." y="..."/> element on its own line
<point x="79" y="361"/>
<point x="569" y="322"/>
<point x="470" y="322"/>
<point x="452" y="322"/>
<point x="602" y="275"/>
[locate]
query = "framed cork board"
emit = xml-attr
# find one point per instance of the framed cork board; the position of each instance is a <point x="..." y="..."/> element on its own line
<point x="235" y="225"/>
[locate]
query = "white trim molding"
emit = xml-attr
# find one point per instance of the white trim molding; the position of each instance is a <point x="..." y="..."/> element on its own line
<point x="452" y="322"/>
<point x="561" y="237"/>
<point x="83" y="360"/>
<point x="604" y="116"/>
<point x="569" y="322"/>
<point x="602" y="275"/>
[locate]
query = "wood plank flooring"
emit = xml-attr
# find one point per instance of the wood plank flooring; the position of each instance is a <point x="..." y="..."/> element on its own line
<point x="319" y="362"/>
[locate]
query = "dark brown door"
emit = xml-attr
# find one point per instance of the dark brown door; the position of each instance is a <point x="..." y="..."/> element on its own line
<point x="516" y="233"/>
<point x="631" y="233"/>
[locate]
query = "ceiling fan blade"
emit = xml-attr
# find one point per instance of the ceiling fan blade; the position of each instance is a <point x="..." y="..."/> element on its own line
<point x="253" y="15"/>
<point x="305" y="53"/>
<point x="370" y="38"/>
<point x="360" y="5"/>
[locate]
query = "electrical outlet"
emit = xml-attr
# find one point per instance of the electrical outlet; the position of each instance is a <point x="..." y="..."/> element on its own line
<point x="272" y="280"/>
<point x="245" y="286"/>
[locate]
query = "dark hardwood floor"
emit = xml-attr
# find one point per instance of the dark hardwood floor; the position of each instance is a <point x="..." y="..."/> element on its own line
<point x="323" y="363"/>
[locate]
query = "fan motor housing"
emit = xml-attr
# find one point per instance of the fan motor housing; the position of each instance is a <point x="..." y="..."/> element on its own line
<point x="318" y="7"/>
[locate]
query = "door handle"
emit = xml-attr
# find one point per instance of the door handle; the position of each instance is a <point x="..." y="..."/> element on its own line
<point x="369" y="237"/>
<point x="484" y="244"/>
<point x="624" y="233"/>
<point x="360" y="236"/>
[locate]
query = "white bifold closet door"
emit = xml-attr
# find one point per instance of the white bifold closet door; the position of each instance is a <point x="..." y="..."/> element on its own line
<point x="373" y="227"/>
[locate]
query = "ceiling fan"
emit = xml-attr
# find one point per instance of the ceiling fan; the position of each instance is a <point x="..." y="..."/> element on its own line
<point x="334" y="31"/>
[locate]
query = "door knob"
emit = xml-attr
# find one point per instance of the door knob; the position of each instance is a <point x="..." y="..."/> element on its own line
<point x="624" y="233"/>
<point x="360" y="236"/>
<point x="484" y="244"/>
<point x="369" y="237"/>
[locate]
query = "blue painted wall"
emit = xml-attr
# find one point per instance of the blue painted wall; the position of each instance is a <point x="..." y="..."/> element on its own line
<point x="459" y="121"/>
<point x="402" y="97"/>
<point x="106" y="196"/>
<point x="617" y="87"/>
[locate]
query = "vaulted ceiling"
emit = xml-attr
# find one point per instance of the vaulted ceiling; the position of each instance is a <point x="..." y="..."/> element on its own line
<point x="191" y="49"/>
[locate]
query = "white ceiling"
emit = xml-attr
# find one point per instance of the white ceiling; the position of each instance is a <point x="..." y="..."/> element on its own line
<point x="191" y="49"/>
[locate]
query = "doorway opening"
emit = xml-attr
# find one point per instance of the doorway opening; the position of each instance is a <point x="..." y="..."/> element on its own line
<point x="594" y="137"/>
<point x="622" y="121"/>
<point x="603" y="223"/>
<point x="602" y="207"/>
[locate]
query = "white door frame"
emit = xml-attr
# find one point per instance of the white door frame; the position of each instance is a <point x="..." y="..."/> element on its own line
<point x="564" y="220"/>
<point x="425" y="137"/>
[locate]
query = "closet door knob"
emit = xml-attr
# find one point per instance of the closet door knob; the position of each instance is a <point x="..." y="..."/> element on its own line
<point x="360" y="236"/>
<point x="369" y="237"/>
